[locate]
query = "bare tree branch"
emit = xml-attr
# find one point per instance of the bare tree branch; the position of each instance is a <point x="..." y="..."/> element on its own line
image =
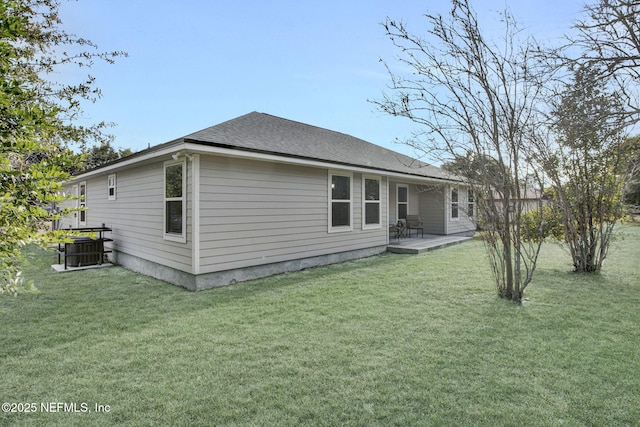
<point x="477" y="99"/>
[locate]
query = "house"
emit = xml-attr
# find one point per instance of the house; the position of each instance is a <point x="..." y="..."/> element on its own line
<point x="530" y="199"/>
<point x="260" y="195"/>
<point x="533" y="199"/>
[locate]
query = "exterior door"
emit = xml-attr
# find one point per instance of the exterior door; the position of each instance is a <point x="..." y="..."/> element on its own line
<point x="75" y="219"/>
<point x="82" y="204"/>
<point x="402" y="200"/>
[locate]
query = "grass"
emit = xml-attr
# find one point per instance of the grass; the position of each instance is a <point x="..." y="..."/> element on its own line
<point x="391" y="340"/>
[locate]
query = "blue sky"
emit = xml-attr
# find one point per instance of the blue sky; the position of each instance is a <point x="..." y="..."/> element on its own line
<point x="195" y="63"/>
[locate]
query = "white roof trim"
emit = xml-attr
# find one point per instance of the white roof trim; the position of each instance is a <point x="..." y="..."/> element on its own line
<point x="128" y="162"/>
<point x="195" y="148"/>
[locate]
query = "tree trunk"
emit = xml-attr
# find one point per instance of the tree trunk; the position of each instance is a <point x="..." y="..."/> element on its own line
<point x="507" y="248"/>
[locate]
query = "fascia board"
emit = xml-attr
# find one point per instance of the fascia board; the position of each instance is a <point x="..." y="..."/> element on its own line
<point x="228" y="152"/>
<point x="189" y="147"/>
<point x="170" y="149"/>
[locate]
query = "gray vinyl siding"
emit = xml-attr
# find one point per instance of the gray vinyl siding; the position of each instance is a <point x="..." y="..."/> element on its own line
<point x="432" y="203"/>
<point x="432" y="210"/>
<point x="255" y="213"/>
<point x="425" y="200"/>
<point x="462" y="224"/>
<point x="412" y="199"/>
<point x="137" y="215"/>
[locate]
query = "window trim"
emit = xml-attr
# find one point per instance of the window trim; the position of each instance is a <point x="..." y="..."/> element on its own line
<point x="82" y="203"/>
<point x="398" y="202"/>
<point x="378" y="202"/>
<point x="111" y="184"/>
<point x="340" y="228"/>
<point x="471" y="203"/>
<point x="456" y="204"/>
<point x="175" y="237"/>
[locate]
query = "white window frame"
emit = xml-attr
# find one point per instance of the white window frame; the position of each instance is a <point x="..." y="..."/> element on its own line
<point x="471" y="203"/>
<point x="398" y="202"/>
<point x="175" y="237"/>
<point x="366" y="202"/>
<point x="82" y="203"/>
<point x="456" y="204"/>
<point x="340" y="228"/>
<point x="111" y="185"/>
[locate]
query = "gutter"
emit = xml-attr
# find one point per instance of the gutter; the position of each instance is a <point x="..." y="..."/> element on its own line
<point x="196" y="147"/>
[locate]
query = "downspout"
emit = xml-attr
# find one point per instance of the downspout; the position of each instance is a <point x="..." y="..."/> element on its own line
<point x="195" y="213"/>
<point x="388" y="211"/>
<point x="447" y="207"/>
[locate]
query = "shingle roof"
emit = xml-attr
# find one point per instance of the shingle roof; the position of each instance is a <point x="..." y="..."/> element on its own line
<point x="269" y="134"/>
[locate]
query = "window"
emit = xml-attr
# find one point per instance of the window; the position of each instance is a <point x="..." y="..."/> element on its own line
<point x="111" y="186"/>
<point x="340" y="202"/>
<point x="471" y="203"/>
<point x="454" y="203"/>
<point x="403" y="201"/>
<point x="174" y="201"/>
<point x="82" y="203"/>
<point x="371" y="202"/>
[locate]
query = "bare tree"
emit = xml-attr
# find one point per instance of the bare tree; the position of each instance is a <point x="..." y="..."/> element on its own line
<point x="609" y="39"/>
<point x="475" y="98"/>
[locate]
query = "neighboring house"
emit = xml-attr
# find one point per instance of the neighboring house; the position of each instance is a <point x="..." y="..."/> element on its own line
<point x="534" y="199"/>
<point x="531" y="199"/>
<point x="260" y="195"/>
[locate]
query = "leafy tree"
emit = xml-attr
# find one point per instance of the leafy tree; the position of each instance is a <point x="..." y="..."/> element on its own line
<point x="631" y="168"/>
<point x="475" y="99"/>
<point x="584" y="162"/>
<point x="478" y="168"/>
<point x="104" y="153"/>
<point x="542" y="223"/>
<point x="36" y="125"/>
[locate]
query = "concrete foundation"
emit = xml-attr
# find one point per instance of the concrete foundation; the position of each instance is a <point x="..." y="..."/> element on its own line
<point x="155" y="270"/>
<point x="204" y="281"/>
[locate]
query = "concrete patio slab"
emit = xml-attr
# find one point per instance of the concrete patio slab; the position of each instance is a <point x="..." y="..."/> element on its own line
<point x="59" y="268"/>
<point x="418" y="245"/>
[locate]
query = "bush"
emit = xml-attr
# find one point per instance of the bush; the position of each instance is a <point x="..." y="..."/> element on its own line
<point x="542" y="223"/>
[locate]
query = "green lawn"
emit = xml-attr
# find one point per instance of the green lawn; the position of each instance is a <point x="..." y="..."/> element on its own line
<point x="391" y="340"/>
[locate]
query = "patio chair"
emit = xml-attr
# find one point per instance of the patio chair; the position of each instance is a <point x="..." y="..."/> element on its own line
<point x="398" y="230"/>
<point x="413" y="223"/>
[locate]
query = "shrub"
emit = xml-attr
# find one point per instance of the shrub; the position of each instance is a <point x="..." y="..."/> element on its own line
<point x="542" y="223"/>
